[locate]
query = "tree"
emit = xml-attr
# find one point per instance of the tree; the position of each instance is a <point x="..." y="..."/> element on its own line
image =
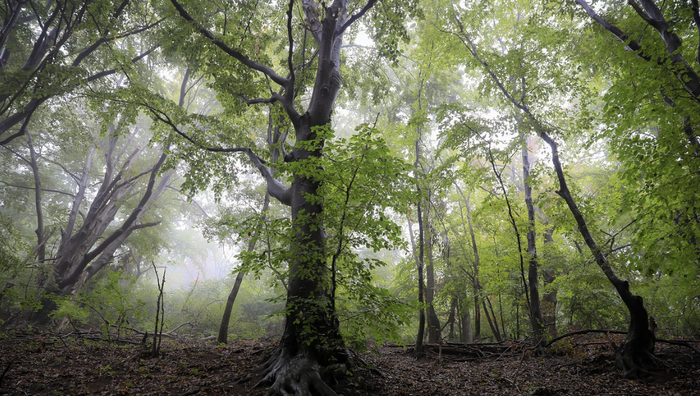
<point x="222" y="337"/>
<point x="311" y="337"/>
<point x="88" y="240"/>
<point x="651" y="124"/>
<point x="48" y="50"/>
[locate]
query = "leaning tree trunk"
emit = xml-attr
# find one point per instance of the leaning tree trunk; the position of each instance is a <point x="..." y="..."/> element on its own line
<point x="635" y="357"/>
<point x="475" y="279"/>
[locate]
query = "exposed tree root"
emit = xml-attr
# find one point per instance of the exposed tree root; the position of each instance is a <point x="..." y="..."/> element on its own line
<point x="636" y="358"/>
<point x="299" y="375"/>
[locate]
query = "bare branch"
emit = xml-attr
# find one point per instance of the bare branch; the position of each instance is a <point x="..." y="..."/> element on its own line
<point x="230" y="51"/>
<point x="42" y="189"/>
<point x="71" y="174"/>
<point x="274" y="186"/>
<point x="89" y="50"/>
<point x="355" y="17"/>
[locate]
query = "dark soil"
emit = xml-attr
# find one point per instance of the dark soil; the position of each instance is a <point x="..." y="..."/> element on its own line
<point x="87" y="364"/>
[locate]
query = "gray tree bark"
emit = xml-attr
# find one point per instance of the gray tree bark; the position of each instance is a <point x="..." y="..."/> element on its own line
<point x="222" y="338"/>
<point x="536" y="319"/>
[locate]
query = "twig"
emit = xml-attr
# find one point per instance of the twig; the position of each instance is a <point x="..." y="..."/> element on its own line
<point x="160" y="313"/>
<point x="5" y="372"/>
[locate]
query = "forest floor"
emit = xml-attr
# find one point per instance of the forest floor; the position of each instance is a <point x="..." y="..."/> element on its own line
<point x="87" y="364"/>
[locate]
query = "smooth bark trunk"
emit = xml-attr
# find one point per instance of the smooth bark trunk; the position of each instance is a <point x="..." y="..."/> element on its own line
<point x="421" y="312"/>
<point x="492" y="321"/>
<point x="434" y="333"/>
<point x="222" y="337"/>
<point x="467" y="336"/>
<point x="476" y="264"/>
<point x="536" y="319"/>
<point x="549" y="299"/>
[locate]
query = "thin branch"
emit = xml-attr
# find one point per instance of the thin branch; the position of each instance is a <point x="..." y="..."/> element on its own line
<point x="290" y="36"/>
<point x="230" y="51"/>
<point x="251" y="102"/>
<point x="49" y="160"/>
<point x="89" y="50"/>
<point x="553" y="340"/>
<point x="357" y="16"/>
<point x="515" y="228"/>
<point x="112" y="71"/>
<point x="274" y="186"/>
<point x="32" y="188"/>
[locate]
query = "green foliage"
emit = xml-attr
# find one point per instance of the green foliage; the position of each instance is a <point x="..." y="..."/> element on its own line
<point x="16" y="296"/>
<point x="11" y="245"/>
<point x="362" y="186"/>
<point x="110" y="303"/>
<point x="371" y="315"/>
<point x="432" y="78"/>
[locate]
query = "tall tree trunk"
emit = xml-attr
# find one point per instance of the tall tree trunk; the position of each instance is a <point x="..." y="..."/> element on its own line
<point x="451" y="319"/>
<point x="536" y="320"/>
<point x="549" y="299"/>
<point x="311" y="335"/>
<point x="421" y="312"/>
<point x="418" y="352"/>
<point x="467" y="336"/>
<point x="418" y="255"/>
<point x="475" y="278"/>
<point x="311" y="341"/>
<point x="41" y="251"/>
<point x="433" y="320"/>
<point x="492" y="323"/>
<point x="222" y="338"/>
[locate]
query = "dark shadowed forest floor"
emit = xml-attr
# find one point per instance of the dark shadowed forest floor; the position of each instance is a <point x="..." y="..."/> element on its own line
<point x="84" y="364"/>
